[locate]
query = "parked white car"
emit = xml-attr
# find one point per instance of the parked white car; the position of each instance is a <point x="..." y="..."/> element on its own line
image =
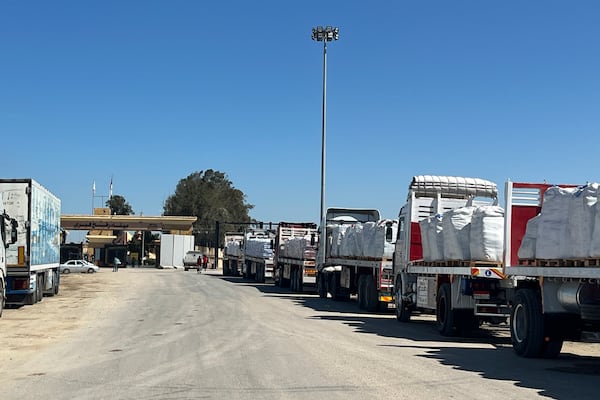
<point x="77" y="266"/>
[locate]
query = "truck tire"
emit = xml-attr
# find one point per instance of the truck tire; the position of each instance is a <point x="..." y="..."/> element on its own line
<point x="444" y="314"/>
<point x="31" y="298"/>
<point x="293" y="274"/>
<point x="299" y="283"/>
<point x="527" y="324"/>
<point x="371" y="295"/>
<point x="56" y="282"/>
<point x="40" y="287"/>
<point x="295" y="280"/>
<point x="322" y="285"/>
<point x="361" y="292"/>
<point x="403" y="309"/>
<point x="334" y="285"/>
<point x="1" y="298"/>
<point x="225" y="268"/>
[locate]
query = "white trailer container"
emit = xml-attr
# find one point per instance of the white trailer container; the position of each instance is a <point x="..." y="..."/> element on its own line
<point x="173" y="249"/>
<point x="295" y="255"/>
<point x="32" y="265"/>
<point x="8" y="236"/>
<point x="344" y="267"/>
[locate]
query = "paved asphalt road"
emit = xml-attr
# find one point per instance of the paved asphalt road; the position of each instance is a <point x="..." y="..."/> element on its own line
<point x="170" y="334"/>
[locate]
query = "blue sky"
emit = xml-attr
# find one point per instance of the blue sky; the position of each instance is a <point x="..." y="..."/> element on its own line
<point x="150" y="91"/>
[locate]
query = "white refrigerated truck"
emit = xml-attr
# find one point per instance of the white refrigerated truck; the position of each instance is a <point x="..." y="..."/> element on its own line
<point x="32" y="261"/>
<point x="8" y="235"/>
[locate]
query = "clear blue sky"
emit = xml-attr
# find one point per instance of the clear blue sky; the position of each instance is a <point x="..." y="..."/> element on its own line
<point x="150" y="91"/>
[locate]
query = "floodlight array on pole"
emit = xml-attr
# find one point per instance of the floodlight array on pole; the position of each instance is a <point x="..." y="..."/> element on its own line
<point x="324" y="35"/>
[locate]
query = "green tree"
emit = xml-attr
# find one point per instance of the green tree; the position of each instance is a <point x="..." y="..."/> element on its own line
<point x="210" y="196"/>
<point x="119" y="206"/>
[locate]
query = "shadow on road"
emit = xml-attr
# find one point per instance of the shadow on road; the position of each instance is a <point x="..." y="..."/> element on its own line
<point x="487" y="352"/>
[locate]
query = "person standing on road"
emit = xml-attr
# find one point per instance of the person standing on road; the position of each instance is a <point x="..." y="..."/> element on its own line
<point x="204" y="261"/>
<point x="199" y="264"/>
<point x="116" y="263"/>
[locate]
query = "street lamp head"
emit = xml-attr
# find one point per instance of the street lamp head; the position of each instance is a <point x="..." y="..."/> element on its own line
<point x="327" y="34"/>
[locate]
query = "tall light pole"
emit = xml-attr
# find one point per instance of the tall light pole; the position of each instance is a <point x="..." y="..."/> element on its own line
<point x="324" y="35"/>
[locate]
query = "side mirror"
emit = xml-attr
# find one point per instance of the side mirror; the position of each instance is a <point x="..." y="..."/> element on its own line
<point x="312" y="239"/>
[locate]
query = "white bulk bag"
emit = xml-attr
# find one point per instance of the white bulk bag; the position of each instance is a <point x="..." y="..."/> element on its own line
<point x="552" y="227"/>
<point x="580" y="222"/>
<point x="456" y="233"/>
<point x="487" y="234"/>
<point x="431" y="236"/>
<point x="527" y="248"/>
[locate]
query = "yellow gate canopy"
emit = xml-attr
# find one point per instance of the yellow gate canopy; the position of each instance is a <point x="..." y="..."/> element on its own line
<point x="173" y="224"/>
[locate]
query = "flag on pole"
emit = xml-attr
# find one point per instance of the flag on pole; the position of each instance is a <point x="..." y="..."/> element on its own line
<point x="94" y="187"/>
<point x="110" y="188"/>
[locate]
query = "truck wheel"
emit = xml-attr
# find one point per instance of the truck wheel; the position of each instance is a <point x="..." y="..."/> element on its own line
<point x="322" y="285"/>
<point x="299" y="283"/>
<point x="334" y="286"/>
<point x="31" y="298"/>
<point x="371" y="296"/>
<point x="40" y="287"/>
<point x="225" y="268"/>
<point x="403" y="310"/>
<point x="443" y="313"/>
<point x="527" y="324"/>
<point x="295" y="282"/>
<point x="56" y="282"/>
<point x="1" y="298"/>
<point x="552" y="348"/>
<point x="361" y="292"/>
<point x="292" y="280"/>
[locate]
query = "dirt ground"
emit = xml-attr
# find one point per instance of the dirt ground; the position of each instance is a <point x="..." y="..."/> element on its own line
<point x="27" y="329"/>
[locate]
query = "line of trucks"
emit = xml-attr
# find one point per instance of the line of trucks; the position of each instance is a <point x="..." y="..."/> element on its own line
<point x="30" y="250"/>
<point x="453" y="252"/>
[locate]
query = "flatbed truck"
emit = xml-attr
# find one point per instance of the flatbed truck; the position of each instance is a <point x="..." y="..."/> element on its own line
<point x="295" y="255"/>
<point x="341" y="276"/>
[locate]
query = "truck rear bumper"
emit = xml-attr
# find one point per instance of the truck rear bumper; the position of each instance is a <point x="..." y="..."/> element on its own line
<point x="17" y="299"/>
